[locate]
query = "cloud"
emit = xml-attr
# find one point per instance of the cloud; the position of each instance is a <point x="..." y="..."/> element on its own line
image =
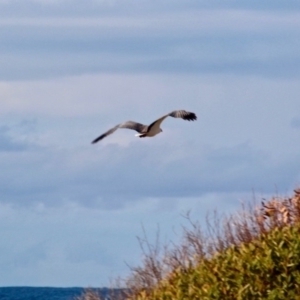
<point x="183" y="42"/>
<point x="7" y="144"/>
<point x="112" y="176"/>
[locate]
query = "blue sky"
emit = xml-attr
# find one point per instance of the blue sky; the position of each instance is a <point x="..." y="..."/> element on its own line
<point x="70" y="211"/>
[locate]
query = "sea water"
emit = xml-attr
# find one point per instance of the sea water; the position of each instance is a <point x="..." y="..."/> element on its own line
<point x="45" y="293"/>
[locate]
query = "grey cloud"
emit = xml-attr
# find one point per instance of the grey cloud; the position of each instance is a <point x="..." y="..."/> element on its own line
<point x="7" y="144"/>
<point x="139" y="171"/>
<point x="142" y="55"/>
<point x="54" y="47"/>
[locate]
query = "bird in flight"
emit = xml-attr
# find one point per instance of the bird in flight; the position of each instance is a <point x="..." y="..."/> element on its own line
<point x="151" y="130"/>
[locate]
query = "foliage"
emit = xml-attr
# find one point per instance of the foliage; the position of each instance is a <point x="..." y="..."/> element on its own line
<point x="268" y="268"/>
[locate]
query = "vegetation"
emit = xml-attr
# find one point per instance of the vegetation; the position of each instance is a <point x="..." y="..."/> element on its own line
<point x="254" y="254"/>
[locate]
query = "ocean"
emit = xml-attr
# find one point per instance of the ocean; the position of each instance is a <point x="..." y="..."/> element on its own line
<point x="45" y="293"/>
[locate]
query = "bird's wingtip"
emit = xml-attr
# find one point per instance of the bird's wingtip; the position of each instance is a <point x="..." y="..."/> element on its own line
<point x="97" y="139"/>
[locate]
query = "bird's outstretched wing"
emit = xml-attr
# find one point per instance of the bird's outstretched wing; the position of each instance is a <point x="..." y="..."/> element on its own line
<point x="134" y="126"/>
<point x="129" y="125"/>
<point x="183" y="114"/>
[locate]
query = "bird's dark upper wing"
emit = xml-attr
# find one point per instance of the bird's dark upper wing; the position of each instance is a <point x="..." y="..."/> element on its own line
<point x="102" y="136"/>
<point x="129" y="125"/>
<point x="185" y="115"/>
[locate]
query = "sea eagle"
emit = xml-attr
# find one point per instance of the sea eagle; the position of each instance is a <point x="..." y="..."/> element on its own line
<point x="151" y="130"/>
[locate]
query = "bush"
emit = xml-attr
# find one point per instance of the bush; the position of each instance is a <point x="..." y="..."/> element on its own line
<point x="253" y="254"/>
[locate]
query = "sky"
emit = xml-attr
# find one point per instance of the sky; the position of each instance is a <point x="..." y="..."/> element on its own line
<point x="71" y="212"/>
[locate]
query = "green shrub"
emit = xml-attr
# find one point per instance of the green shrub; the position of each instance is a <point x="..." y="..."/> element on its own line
<point x="261" y="261"/>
